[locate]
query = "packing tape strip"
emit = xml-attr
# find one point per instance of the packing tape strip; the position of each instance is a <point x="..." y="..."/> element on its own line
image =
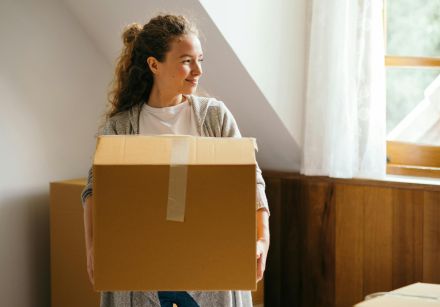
<point x="180" y="148"/>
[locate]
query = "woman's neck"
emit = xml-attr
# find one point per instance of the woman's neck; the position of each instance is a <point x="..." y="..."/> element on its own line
<point x="160" y="99"/>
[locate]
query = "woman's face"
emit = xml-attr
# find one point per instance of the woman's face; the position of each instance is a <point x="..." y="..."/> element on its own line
<point x="181" y="70"/>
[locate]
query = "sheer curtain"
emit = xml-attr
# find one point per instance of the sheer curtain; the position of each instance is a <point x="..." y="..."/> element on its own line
<point x="344" y="131"/>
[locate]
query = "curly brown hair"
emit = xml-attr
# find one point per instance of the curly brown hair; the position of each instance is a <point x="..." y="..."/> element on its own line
<point x="133" y="78"/>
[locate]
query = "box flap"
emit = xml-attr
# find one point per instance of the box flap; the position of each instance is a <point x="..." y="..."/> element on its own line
<point x="173" y="149"/>
<point x="389" y="301"/>
<point x="420" y="290"/>
<point x="418" y="294"/>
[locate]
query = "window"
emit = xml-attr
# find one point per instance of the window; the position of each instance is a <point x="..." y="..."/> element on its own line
<point x="412" y="62"/>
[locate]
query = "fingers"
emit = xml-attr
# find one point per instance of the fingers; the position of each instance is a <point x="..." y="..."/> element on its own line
<point x="90" y="273"/>
<point x="90" y="268"/>
<point x="93" y="269"/>
<point x="261" y="254"/>
<point x="261" y="262"/>
<point x="260" y="265"/>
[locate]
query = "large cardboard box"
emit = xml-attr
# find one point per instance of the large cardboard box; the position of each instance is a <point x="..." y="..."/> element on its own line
<point x="418" y="294"/>
<point x="70" y="285"/>
<point x="174" y="213"/>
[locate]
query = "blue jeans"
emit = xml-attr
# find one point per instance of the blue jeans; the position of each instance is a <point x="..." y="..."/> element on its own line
<point x="180" y="298"/>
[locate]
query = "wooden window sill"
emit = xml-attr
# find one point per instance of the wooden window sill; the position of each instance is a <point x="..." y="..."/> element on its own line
<point x="413" y="170"/>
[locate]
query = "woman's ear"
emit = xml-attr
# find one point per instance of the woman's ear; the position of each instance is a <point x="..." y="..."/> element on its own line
<point x="152" y="62"/>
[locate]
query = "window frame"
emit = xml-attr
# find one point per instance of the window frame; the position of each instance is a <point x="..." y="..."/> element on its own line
<point x="410" y="159"/>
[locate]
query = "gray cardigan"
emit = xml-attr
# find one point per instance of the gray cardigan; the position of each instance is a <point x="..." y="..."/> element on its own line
<point x="213" y="120"/>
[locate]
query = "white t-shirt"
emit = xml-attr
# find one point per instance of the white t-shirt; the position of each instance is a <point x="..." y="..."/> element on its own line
<point x="178" y="119"/>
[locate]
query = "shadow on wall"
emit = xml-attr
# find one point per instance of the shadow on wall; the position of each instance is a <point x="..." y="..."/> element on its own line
<point x="24" y="233"/>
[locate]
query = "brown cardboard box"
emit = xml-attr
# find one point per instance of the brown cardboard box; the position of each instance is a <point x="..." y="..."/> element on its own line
<point x="174" y="213"/>
<point x="70" y="286"/>
<point x="418" y="294"/>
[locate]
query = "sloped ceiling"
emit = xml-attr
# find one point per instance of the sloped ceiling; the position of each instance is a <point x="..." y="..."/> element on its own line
<point x="225" y="77"/>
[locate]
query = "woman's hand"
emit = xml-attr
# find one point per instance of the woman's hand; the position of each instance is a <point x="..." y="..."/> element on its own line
<point x="90" y="264"/>
<point x="262" y="249"/>
<point x="263" y="241"/>
<point x="88" y="232"/>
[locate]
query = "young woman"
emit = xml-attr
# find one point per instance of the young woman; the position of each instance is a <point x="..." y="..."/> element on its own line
<point x="156" y="77"/>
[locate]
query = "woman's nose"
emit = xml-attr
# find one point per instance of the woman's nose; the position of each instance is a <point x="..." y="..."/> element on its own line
<point x="197" y="70"/>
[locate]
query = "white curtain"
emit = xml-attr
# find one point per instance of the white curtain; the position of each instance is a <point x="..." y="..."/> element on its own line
<point x="344" y="131"/>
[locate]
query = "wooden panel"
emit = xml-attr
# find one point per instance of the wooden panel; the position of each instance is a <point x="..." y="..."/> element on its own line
<point x="431" y="237"/>
<point x="349" y="243"/>
<point x="378" y="213"/>
<point x="272" y="275"/>
<point x="336" y="245"/>
<point x="290" y="240"/>
<point x="317" y="228"/>
<point x="407" y="185"/>
<point x="407" y="222"/>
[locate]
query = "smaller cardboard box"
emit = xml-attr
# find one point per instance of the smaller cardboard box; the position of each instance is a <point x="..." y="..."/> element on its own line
<point x="415" y="295"/>
<point x="174" y="213"/>
<point x="70" y="285"/>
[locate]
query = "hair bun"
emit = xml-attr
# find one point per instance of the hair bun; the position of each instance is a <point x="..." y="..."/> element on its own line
<point x="130" y="33"/>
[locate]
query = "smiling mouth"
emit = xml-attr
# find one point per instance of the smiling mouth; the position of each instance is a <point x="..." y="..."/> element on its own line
<point x="194" y="82"/>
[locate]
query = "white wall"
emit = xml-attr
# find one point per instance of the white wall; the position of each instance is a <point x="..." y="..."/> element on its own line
<point x="269" y="39"/>
<point x="52" y="88"/>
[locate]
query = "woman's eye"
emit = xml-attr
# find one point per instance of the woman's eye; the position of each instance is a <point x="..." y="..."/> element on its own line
<point x="187" y="61"/>
<point x="200" y="60"/>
